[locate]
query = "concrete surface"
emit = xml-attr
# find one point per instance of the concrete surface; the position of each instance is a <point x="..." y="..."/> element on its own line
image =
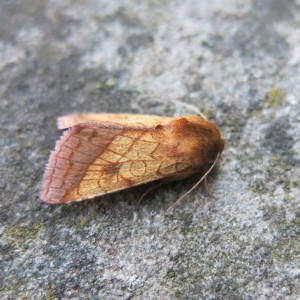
<point x="238" y="61"/>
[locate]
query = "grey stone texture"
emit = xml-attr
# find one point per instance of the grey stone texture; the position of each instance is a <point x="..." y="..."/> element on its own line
<point x="237" y="61"/>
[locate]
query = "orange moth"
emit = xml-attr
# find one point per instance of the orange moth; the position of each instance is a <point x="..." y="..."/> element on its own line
<point x="105" y="153"/>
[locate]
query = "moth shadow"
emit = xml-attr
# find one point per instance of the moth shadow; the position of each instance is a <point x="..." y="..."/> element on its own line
<point x="160" y="196"/>
<point x="123" y="204"/>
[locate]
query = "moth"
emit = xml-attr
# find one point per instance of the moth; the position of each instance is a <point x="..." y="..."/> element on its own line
<point x="100" y="154"/>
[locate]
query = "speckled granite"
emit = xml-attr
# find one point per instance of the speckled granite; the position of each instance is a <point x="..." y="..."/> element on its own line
<point x="238" y="61"/>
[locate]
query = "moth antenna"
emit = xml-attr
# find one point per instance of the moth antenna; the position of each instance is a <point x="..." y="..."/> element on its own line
<point x="190" y="190"/>
<point x="180" y="104"/>
<point x="189" y="106"/>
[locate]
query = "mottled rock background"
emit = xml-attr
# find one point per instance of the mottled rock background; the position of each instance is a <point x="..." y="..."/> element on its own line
<point x="238" y="61"/>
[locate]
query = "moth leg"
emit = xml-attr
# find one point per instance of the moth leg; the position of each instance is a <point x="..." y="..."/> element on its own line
<point x="208" y="189"/>
<point x="161" y="183"/>
<point x="151" y="189"/>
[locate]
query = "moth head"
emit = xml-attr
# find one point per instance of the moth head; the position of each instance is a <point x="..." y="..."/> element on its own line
<point x="212" y="143"/>
<point x="213" y="153"/>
